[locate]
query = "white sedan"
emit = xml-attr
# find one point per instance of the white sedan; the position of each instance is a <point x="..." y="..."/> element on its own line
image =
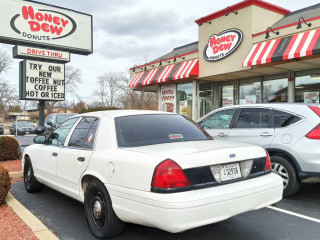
<point x="151" y="168"/>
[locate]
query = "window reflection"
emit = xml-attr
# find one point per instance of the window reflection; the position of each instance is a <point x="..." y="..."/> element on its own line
<point x="184" y="99"/>
<point x="275" y="90"/>
<point x="307" y="88"/>
<point x="249" y="93"/>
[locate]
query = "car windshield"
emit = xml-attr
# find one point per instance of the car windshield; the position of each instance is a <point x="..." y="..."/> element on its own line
<point x="24" y="124"/>
<point x="62" y="118"/>
<point x="141" y="130"/>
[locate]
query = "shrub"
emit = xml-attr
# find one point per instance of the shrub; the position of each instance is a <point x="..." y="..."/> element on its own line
<point x="5" y="183"/>
<point x="9" y="148"/>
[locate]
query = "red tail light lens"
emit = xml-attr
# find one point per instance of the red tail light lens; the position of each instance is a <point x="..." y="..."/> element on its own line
<point x="315" y="109"/>
<point x="168" y="174"/>
<point x="314" y="133"/>
<point x="268" y="162"/>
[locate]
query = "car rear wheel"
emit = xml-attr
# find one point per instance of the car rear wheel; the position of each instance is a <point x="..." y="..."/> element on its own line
<point x="287" y="172"/>
<point x="102" y="220"/>
<point x="30" y="182"/>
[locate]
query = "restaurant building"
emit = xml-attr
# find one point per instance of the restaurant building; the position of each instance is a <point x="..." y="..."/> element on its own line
<point x="251" y="52"/>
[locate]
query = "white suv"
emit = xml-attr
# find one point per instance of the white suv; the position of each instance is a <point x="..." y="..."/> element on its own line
<point x="290" y="133"/>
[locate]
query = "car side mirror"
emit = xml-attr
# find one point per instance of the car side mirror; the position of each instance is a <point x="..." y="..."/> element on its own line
<point x="39" y="130"/>
<point x="39" y="139"/>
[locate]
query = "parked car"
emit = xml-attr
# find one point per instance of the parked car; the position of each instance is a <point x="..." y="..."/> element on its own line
<point x="23" y="127"/>
<point x="1" y="130"/>
<point x="150" y="168"/>
<point x="289" y="132"/>
<point x="54" y="120"/>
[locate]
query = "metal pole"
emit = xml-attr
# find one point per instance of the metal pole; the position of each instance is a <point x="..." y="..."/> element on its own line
<point x="41" y="112"/>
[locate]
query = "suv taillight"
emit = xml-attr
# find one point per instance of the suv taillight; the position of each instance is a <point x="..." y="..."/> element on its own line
<point x="268" y="162"/>
<point x="314" y="133"/>
<point x="168" y="174"/>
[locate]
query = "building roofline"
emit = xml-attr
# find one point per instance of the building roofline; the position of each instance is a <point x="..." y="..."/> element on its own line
<point x="241" y="5"/>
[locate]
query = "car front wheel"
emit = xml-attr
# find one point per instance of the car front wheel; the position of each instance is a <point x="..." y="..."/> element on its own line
<point x="286" y="171"/>
<point x="30" y="182"/>
<point x="102" y="220"/>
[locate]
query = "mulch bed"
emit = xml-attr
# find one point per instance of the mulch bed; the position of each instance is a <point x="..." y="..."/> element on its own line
<point x="12" y="166"/>
<point x="11" y="226"/>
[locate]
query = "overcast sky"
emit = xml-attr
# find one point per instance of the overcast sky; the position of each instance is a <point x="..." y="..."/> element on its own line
<point x="128" y="32"/>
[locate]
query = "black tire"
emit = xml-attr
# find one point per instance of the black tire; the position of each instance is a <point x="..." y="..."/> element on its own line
<point x="102" y="220"/>
<point x="30" y="182"/>
<point x="287" y="172"/>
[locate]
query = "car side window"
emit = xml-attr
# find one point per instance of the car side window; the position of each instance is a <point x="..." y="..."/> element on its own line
<point x="58" y="137"/>
<point x="284" y="119"/>
<point x="83" y="134"/>
<point x="218" y="120"/>
<point x="254" y="118"/>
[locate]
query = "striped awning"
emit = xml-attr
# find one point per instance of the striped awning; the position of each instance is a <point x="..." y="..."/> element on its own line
<point x="168" y="73"/>
<point x="296" y="46"/>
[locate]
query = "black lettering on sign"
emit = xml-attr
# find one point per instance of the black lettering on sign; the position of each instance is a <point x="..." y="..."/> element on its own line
<point x="45" y="74"/>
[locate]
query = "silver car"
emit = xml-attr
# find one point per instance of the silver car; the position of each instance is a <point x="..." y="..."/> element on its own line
<point x="289" y="131"/>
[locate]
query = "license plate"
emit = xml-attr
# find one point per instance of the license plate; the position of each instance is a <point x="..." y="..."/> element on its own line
<point x="230" y="172"/>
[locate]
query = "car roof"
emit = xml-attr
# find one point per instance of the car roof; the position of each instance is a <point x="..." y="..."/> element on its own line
<point x="121" y="113"/>
<point x="275" y="105"/>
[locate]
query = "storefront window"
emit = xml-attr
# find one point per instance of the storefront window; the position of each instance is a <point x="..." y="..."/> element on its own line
<point x="227" y="95"/>
<point x="205" y="97"/>
<point x="249" y="93"/>
<point x="184" y="99"/>
<point x="275" y="90"/>
<point x="307" y="86"/>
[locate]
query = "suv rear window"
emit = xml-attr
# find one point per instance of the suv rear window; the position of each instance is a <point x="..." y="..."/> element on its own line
<point x="284" y="119"/>
<point x="141" y="130"/>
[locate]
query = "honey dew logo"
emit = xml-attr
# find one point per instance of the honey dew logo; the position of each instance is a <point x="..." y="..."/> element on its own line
<point x="222" y="45"/>
<point x="42" y="24"/>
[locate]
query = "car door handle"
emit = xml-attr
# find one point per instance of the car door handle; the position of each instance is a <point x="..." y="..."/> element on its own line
<point x="54" y="154"/>
<point x="81" y="159"/>
<point x="221" y="134"/>
<point x="266" y="134"/>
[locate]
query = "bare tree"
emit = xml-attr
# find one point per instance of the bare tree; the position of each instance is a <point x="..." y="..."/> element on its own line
<point x="72" y="79"/>
<point x="8" y="96"/>
<point x="5" y="61"/>
<point x="110" y="87"/>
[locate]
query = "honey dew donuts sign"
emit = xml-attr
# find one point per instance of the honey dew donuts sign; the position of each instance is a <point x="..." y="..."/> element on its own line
<point x="168" y="97"/>
<point x="221" y="45"/>
<point x="36" y="24"/>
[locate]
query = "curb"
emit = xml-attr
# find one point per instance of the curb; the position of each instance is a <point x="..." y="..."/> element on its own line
<point x="16" y="174"/>
<point x="37" y="227"/>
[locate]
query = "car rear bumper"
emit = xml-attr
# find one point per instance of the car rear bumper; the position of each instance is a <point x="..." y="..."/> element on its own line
<point x="177" y="212"/>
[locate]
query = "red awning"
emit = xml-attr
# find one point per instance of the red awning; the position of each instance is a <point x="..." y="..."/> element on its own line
<point x="296" y="46"/>
<point x="168" y="73"/>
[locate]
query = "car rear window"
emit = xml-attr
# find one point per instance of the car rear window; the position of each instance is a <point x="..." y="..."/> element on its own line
<point x="284" y="119"/>
<point x="62" y="118"/>
<point x="141" y="130"/>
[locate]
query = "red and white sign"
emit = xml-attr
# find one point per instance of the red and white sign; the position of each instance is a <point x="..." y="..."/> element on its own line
<point x="168" y="98"/>
<point x="31" y="52"/>
<point x="222" y="45"/>
<point x="37" y="24"/>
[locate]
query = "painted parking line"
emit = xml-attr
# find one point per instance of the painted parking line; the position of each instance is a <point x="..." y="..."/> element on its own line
<point x="295" y="214"/>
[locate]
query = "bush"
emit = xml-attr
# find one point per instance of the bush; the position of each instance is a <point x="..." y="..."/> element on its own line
<point x="5" y="183"/>
<point x="9" y="148"/>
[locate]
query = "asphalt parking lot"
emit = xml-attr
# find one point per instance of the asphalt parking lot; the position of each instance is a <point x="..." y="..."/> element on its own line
<point x="301" y="219"/>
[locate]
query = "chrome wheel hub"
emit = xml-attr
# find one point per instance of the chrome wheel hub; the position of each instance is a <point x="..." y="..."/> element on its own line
<point x="282" y="172"/>
<point x="97" y="209"/>
<point x="29" y="175"/>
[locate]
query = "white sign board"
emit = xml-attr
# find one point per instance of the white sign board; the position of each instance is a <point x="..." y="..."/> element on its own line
<point x="168" y="97"/>
<point x="42" y="81"/>
<point x="32" y="52"/>
<point x="311" y="97"/>
<point x="38" y="24"/>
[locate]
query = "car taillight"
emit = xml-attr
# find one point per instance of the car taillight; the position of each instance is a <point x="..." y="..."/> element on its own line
<point x="315" y="109"/>
<point x="314" y="133"/>
<point x="168" y="174"/>
<point x="268" y="162"/>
